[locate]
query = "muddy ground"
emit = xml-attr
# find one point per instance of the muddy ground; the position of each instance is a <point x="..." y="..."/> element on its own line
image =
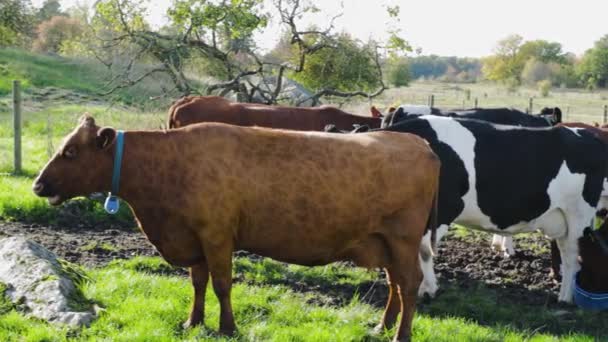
<point x="464" y="260"/>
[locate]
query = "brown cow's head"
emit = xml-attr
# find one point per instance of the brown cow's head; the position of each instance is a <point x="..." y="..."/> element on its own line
<point x="593" y="247"/>
<point x="82" y="165"/>
<point x="375" y="112"/>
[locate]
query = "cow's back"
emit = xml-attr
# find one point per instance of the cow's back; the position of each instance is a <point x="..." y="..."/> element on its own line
<point x="496" y="171"/>
<point x="191" y="110"/>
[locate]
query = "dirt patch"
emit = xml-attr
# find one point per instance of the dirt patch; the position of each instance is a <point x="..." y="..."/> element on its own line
<point x="463" y="260"/>
<point x="88" y="246"/>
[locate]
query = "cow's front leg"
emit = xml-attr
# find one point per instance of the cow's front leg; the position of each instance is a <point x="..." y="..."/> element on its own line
<point x="199" y="275"/>
<point x="219" y="261"/>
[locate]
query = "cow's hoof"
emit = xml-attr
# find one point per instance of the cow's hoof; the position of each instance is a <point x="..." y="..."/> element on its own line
<point x="190" y="324"/>
<point x="427" y="290"/>
<point x="378" y="329"/>
<point x="227" y="331"/>
<point x="402" y="339"/>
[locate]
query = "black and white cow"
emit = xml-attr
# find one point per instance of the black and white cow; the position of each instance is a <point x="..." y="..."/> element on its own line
<point x="512" y="179"/>
<point x="504" y="116"/>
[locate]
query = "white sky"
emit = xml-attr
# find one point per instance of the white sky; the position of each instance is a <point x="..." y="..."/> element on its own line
<point x="449" y="27"/>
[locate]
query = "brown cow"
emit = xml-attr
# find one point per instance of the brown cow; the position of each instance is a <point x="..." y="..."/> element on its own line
<point x="203" y="191"/>
<point x="196" y="109"/>
<point x="593" y="246"/>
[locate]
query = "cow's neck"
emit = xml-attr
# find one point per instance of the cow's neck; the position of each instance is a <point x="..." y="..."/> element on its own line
<point x="143" y="171"/>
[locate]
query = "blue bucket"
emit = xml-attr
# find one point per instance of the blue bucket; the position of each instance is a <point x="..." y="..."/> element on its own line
<point x="589" y="300"/>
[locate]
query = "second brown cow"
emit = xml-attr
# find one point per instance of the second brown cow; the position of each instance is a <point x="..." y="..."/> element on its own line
<point x="196" y="109"/>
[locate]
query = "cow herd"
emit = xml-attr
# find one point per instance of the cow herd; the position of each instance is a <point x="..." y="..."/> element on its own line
<point x="380" y="195"/>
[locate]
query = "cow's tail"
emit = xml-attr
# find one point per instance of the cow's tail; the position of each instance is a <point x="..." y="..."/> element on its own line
<point x="433" y="222"/>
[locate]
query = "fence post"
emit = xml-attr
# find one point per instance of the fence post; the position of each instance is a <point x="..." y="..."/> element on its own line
<point x="432" y="101"/>
<point x="530" y="105"/>
<point x="476" y="103"/>
<point x="605" y="113"/>
<point x="17" y="125"/>
<point x="567" y="113"/>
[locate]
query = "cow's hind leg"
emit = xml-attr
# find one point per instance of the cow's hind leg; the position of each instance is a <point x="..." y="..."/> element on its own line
<point x="503" y="244"/>
<point x="406" y="274"/>
<point x="219" y="260"/>
<point x="199" y="275"/>
<point x="568" y="247"/>
<point x="393" y="306"/>
<point x="429" y="284"/>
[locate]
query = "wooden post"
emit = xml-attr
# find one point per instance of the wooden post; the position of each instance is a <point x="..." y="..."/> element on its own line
<point x="17" y="125"/>
<point x="567" y="113"/>
<point x="476" y="103"/>
<point x="530" y="105"/>
<point x="605" y="113"/>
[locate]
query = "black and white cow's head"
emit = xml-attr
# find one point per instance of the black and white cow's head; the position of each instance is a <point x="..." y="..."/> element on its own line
<point x="552" y="115"/>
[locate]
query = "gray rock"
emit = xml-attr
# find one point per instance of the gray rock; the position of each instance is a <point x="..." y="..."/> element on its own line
<point x="39" y="285"/>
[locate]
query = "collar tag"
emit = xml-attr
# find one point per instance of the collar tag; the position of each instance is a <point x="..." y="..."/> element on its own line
<point x="112" y="203"/>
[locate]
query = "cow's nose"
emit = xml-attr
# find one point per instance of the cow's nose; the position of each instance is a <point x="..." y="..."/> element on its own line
<point x="38" y="187"/>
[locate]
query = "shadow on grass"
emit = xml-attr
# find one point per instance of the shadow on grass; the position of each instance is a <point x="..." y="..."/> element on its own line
<point x="517" y="308"/>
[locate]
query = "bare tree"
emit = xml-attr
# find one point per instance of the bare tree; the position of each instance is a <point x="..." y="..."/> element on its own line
<point x="247" y="72"/>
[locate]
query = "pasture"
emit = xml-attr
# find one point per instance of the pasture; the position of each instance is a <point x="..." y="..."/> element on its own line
<point x="141" y="298"/>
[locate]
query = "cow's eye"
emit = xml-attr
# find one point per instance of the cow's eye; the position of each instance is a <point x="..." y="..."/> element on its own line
<point x="70" y="152"/>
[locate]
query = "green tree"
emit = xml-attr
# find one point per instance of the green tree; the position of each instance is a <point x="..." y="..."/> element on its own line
<point x="593" y="69"/>
<point x="218" y="37"/>
<point x="543" y="51"/>
<point x="49" y="9"/>
<point x="16" y="22"/>
<point x="348" y="66"/>
<point x="507" y="63"/>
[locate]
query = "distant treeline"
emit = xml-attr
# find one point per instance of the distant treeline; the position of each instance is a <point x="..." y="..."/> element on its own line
<point x="449" y="69"/>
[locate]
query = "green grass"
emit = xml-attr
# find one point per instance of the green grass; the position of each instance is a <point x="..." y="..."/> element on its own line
<point x="576" y="104"/>
<point x="141" y="303"/>
<point x="80" y="75"/>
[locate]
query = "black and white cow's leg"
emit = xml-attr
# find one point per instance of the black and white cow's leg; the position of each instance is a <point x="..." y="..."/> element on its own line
<point x="562" y="227"/>
<point x="429" y="282"/>
<point x="503" y="244"/>
<point x="568" y="247"/>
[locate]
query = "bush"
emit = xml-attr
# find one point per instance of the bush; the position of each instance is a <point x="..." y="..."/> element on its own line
<point x="53" y="32"/>
<point x="544" y="87"/>
<point x="398" y="73"/>
<point x="535" y="71"/>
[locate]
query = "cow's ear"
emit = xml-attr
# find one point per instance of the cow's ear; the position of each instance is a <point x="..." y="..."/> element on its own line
<point x="105" y="137"/>
<point x="87" y="120"/>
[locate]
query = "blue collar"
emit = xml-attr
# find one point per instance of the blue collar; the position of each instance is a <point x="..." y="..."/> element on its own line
<point x="112" y="204"/>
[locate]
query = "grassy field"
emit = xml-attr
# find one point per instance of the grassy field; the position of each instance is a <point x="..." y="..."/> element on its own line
<point x="141" y="301"/>
<point x="144" y="301"/>
<point x="576" y="105"/>
<point x="37" y="71"/>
